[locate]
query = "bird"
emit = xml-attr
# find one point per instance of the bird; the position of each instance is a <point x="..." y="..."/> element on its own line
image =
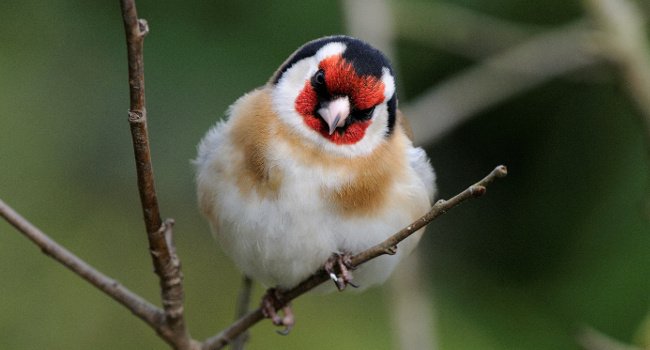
<point x="312" y="167"/>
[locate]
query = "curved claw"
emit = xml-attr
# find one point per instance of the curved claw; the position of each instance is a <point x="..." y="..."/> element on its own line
<point x="340" y="262"/>
<point x="287" y="321"/>
<point x="354" y="285"/>
<point x="270" y="308"/>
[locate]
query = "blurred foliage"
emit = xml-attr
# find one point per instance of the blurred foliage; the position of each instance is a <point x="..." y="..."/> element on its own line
<point x="562" y="242"/>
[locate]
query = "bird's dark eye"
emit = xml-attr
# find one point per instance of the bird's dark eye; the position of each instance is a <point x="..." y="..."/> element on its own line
<point x="364" y="114"/>
<point x="318" y="83"/>
<point x="319" y="78"/>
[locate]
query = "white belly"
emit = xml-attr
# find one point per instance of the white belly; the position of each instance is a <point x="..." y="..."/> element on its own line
<point x="282" y="240"/>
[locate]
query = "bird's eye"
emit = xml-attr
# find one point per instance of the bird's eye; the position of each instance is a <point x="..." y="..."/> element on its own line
<point x="365" y="114"/>
<point x="318" y="83"/>
<point x="319" y="77"/>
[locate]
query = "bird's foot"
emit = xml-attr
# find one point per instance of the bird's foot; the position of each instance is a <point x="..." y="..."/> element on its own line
<point x="271" y="305"/>
<point x="338" y="266"/>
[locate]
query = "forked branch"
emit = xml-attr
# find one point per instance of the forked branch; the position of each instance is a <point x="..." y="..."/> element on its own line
<point x="169" y="321"/>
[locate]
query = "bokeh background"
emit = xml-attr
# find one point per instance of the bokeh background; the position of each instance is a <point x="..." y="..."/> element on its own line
<point x="562" y="243"/>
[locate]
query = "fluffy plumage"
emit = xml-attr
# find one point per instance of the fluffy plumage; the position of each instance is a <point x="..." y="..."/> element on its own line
<point x="313" y="163"/>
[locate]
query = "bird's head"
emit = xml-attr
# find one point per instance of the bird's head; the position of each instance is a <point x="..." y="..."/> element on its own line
<point x="338" y="92"/>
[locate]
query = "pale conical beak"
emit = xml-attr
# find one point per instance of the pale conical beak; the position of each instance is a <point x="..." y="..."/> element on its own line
<point x="335" y="112"/>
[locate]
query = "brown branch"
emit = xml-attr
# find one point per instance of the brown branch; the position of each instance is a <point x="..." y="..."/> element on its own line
<point x="165" y="261"/>
<point x="149" y="313"/>
<point x="160" y="320"/>
<point x="169" y="322"/>
<point x="166" y="323"/>
<point x="136" y="29"/>
<point x="388" y="246"/>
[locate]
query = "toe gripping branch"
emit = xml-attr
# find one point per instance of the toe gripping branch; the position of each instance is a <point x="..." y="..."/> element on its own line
<point x="338" y="267"/>
<point x="271" y="305"/>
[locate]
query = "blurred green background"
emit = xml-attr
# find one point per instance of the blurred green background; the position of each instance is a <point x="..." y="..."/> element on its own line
<point x="562" y="243"/>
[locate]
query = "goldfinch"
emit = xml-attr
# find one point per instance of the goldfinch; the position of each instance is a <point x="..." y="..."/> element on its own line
<point x="314" y="166"/>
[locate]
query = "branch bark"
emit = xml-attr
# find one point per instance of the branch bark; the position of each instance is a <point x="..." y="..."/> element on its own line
<point x="540" y="59"/>
<point x="169" y="321"/>
<point x="161" y="320"/>
<point x="136" y="29"/>
<point x="147" y="312"/>
<point x="388" y="246"/>
<point x="166" y="262"/>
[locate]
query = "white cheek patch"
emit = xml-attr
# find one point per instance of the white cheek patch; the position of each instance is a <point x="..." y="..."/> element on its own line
<point x="284" y="96"/>
<point x="293" y="80"/>
<point x="379" y="126"/>
<point x="389" y="84"/>
<point x="289" y="87"/>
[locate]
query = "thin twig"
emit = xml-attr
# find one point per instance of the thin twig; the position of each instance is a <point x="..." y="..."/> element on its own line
<point x="169" y="323"/>
<point x="136" y="29"/>
<point x="149" y="313"/>
<point x="388" y="246"/>
<point x="441" y="207"/>
<point x="165" y="261"/>
<point x="238" y="327"/>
